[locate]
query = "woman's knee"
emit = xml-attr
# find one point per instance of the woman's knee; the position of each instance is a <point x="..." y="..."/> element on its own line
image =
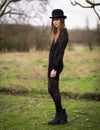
<point x="49" y="86"/>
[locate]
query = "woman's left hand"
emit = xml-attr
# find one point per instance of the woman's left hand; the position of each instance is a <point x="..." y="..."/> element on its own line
<point x="53" y="73"/>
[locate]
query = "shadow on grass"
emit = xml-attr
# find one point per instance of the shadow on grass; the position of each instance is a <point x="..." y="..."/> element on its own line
<point x="21" y="90"/>
<point x="88" y="96"/>
<point x="16" y="89"/>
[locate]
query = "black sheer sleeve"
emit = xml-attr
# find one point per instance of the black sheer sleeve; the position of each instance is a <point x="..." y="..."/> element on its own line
<point x="61" y="45"/>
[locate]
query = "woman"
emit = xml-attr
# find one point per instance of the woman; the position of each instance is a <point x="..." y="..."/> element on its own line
<point x="59" y="37"/>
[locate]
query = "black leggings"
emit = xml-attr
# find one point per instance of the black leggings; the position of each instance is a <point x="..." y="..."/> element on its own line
<point x="53" y="89"/>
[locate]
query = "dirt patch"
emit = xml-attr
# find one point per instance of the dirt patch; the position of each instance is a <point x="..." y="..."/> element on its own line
<point x="16" y="89"/>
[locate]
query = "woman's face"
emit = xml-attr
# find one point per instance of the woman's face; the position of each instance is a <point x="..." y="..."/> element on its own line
<point x="56" y="22"/>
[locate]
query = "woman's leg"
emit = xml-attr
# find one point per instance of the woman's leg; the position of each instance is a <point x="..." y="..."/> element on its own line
<point x="61" y="116"/>
<point x="53" y="88"/>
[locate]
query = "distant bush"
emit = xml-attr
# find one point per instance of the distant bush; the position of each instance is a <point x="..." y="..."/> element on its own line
<point x="22" y="38"/>
<point x="85" y="36"/>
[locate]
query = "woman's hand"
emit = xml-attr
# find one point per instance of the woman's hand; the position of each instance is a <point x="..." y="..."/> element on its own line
<point x="53" y="73"/>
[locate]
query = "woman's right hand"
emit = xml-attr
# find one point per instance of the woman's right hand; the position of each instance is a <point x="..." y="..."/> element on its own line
<point x="53" y="73"/>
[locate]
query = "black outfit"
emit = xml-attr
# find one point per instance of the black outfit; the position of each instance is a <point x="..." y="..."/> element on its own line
<point x="56" y="63"/>
<point x="57" y="52"/>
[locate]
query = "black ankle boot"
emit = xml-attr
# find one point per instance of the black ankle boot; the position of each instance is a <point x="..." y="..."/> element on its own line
<point x="60" y="118"/>
<point x="65" y="116"/>
<point x="55" y="121"/>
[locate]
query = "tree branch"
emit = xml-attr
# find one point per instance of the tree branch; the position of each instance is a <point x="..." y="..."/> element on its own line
<point x="2" y="5"/>
<point x="91" y="5"/>
<point x="76" y="3"/>
<point x="5" y="5"/>
<point x="3" y="11"/>
<point x="96" y="13"/>
<point x="8" y="8"/>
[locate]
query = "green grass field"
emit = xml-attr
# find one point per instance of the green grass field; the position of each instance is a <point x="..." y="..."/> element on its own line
<point x="33" y="113"/>
<point x="24" y="100"/>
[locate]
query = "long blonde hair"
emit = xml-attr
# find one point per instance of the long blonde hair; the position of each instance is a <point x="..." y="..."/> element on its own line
<point x="54" y="33"/>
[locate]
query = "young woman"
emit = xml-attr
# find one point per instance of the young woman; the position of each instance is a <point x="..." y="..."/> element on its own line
<point x="59" y="37"/>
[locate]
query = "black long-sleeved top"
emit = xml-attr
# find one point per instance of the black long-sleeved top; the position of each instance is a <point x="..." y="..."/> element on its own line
<point x="57" y="51"/>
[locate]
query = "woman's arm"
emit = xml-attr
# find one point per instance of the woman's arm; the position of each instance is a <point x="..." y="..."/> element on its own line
<point x="61" y="45"/>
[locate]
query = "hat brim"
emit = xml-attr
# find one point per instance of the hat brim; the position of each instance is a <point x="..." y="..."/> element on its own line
<point x="58" y="17"/>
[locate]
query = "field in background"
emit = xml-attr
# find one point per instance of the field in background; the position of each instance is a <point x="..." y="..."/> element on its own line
<point x="27" y="72"/>
<point x="24" y="100"/>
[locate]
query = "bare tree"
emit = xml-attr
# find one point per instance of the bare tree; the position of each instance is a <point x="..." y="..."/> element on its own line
<point x="91" y="4"/>
<point x="4" y="4"/>
<point x="17" y="11"/>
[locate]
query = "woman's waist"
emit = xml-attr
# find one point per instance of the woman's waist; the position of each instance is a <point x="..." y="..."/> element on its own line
<point x="52" y="64"/>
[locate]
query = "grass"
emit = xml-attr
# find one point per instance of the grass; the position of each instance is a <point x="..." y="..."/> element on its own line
<point x="33" y="113"/>
<point x="28" y="71"/>
<point x="24" y="100"/>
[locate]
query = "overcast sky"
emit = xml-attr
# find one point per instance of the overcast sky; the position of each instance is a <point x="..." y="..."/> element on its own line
<point x="76" y="16"/>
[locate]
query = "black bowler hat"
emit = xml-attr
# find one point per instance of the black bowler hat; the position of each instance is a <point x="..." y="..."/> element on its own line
<point x="58" y="13"/>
